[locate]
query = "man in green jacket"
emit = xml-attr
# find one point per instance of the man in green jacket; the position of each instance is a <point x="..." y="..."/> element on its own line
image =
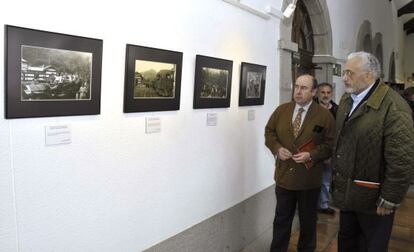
<point x="373" y="156"/>
<point x="298" y="173"/>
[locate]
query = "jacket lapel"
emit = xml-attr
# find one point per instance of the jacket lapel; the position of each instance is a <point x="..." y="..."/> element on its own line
<point x="290" y="111"/>
<point x="343" y="110"/>
<point x="359" y="112"/>
<point x="374" y="101"/>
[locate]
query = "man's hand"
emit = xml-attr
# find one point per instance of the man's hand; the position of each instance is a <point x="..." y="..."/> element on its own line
<point x="381" y="211"/>
<point x="284" y="154"/>
<point x="301" y="157"/>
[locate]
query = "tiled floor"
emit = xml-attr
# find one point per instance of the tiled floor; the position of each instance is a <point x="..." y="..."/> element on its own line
<point x="402" y="238"/>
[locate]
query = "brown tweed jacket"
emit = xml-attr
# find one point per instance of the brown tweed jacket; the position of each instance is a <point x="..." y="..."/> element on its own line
<point x="318" y="125"/>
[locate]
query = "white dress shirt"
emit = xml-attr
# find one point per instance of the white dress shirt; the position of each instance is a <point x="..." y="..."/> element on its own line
<point x="358" y="98"/>
<point x="295" y="112"/>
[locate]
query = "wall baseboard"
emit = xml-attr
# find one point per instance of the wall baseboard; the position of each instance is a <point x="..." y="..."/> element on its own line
<point x="230" y="230"/>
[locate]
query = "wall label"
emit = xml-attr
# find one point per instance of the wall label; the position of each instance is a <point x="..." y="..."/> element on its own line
<point x="58" y="134"/>
<point x="152" y="125"/>
<point x="211" y="119"/>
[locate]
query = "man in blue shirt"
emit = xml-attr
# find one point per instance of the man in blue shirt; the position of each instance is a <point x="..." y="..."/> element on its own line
<point x="373" y="156"/>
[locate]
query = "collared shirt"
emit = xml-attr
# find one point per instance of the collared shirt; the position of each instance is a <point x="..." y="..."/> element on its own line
<point x="295" y="112"/>
<point x="357" y="98"/>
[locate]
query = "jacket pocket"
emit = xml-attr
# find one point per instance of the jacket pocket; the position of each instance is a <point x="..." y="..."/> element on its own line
<point x="362" y="198"/>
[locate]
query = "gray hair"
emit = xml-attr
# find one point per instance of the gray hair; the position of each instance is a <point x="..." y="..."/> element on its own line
<point x="369" y="63"/>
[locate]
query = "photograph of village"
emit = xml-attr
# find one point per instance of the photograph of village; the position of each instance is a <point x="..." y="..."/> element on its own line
<point x="214" y="83"/>
<point x="154" y="80"/>
<point x="253" y="85"/>
<point x="49" y="74"/>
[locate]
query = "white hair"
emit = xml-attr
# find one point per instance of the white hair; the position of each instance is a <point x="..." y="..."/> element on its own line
<point x="369" y="63"/>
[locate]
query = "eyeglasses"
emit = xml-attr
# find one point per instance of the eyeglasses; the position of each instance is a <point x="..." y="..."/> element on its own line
<point x="348" y="73"/>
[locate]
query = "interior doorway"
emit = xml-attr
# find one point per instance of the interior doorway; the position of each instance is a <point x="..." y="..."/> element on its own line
<point x="309" y="30"/>
<point x="302" y="34"/>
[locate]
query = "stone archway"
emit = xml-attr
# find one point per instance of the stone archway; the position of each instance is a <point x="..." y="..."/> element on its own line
<point x="322" y="35"/>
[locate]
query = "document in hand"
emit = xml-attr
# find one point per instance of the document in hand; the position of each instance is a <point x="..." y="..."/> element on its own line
<point x="367" y="184"/>
<point x="308" y="146"/>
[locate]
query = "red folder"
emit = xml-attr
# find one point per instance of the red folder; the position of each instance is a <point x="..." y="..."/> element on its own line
<point x="367" y="184"/>
<point x="308" y="146"/>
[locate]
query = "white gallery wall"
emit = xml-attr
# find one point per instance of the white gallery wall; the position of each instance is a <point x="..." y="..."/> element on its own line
<point x="115" y="188"/>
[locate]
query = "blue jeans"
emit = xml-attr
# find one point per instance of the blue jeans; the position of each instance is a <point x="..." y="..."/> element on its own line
<point x="326" y="184"/>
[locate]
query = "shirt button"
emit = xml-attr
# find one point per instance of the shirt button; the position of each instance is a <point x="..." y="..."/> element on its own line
<point x="338" y="156"/>
<point x="290" y="169"/>
<point x="338" y="174"/>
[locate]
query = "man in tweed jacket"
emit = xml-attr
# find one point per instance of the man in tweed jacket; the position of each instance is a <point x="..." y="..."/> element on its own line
<point x="295" y="184"/>
<point x="373" y="156"/>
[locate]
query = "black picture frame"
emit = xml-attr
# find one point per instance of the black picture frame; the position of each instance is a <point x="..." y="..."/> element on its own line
<point x="252" y="84"/>
<point x="152" y="79"/>
<point x="212" y="84"/>
<point x="51" y="74"/>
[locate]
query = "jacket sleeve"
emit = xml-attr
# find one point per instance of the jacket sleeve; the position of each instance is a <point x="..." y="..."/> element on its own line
<point x="323" y="151"/>
<point x="271" y="137"/>
<point x="398" y="155"/>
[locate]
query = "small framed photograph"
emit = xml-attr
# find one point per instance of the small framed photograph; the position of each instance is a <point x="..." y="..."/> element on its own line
<point x="152" y="79"/>
<point x="252" y="84"/>
<point x="212" y="88"/>
<point x="336" y="69"/>
<point x="51" y="74"/>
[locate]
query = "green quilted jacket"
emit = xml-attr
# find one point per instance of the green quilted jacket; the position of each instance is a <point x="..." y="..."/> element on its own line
<point x="375" y="144"/>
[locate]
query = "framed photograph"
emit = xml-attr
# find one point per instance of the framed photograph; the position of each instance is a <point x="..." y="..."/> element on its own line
<point x="252" y="84"/>
<point x="336" y="69"/>
<point x="212" y="86"/>
<point x="152" y="79"/>
<point x="51" y="74"/>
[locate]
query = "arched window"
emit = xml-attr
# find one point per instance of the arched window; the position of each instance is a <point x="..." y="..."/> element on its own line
<point x="364" y="37"/>
<point x="378" y="54"/>
<point x="377" y="47"/>
<point x="391" y="74"/>
<point x="367" y="43"/>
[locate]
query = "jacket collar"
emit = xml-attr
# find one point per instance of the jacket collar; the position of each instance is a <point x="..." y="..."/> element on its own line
<point x="375" y="99"/>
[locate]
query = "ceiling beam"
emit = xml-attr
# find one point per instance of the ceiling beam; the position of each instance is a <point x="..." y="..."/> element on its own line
<point x="406" y="9"/>
<point x="409" y="24"/>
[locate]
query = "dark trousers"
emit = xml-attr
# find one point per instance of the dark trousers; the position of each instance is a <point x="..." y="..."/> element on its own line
<point x="307" y="201"/>
<point x="361" y="232"/>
